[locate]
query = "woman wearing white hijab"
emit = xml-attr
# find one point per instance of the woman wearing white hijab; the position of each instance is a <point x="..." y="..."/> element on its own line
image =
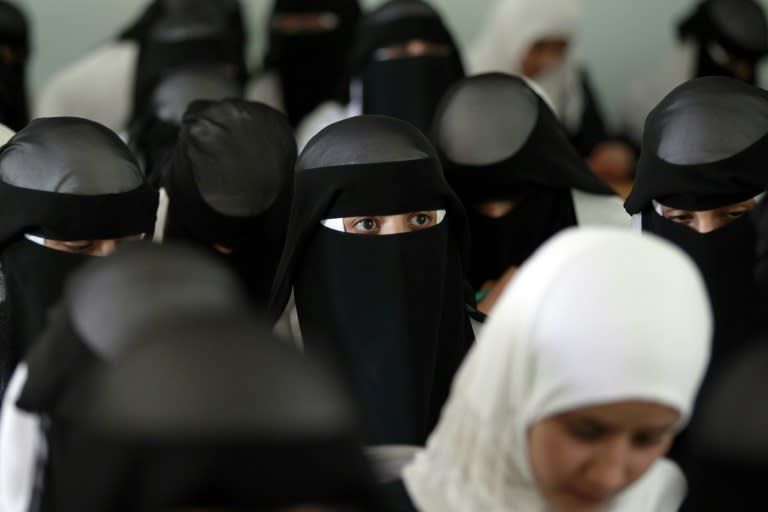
<point x="534" y="38"/>
<point x="575" y="390"/>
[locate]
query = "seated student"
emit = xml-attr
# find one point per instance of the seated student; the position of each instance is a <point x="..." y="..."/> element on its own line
<point x="534" y="38"/>
<point x="214" y="416"/>
<point x="510" y="161"/>
<point x="102" y="85"/>
<point x="70" y="189"/>
<point x="14" y="56"/>
<point x="696" y="183"/>
<point x="375" y="256"/>
<point x="720" y="38"/>
<point x="105" y="309"/>
<point x="404" y="60"/>
<point x="577" y="385"/>
<point x="229" y="184"/>
<point x="728" y="441"/>
<point x="306" y="61"/>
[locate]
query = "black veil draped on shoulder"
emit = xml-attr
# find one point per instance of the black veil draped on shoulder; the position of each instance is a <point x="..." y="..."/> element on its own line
<point x="230" y="183"/>
<point x="392" y="310"/>
<point x="500" y="141"/>
<point x="61" y="179"/>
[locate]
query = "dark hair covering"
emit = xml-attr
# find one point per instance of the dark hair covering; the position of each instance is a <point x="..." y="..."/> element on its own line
<point x="106" y="308"/>
<point x="14" y="39"/>
<point x="155" y="134"/>
<point x="230" y="182"/>
<point x="728" y="437"/>
<point x="407" y="88"/>
<point x="690" y="161"/>
<point x="188" y="34"/>
<point x="391" y="309"/>
<point x="312" y="67"/>
<point x="214" y="415"/>
<point x="499" y="140"/>
<point x="61" y="179"/>
<point x="737" y="26"/>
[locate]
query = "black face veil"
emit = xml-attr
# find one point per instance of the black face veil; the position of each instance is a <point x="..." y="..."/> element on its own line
<point x="106" y="309"/>
<point x="266" y="429"/>
<point x="705" y="147"/>
<point x="230" y="183"/>
<point x="15" y="45"/>
<point x="727" y="29"/>
<point x="391" y="309"/>
<point x="60" y="179"/>
<point x="312" y="66"/>
<point x="410" y="87"/>
<point x="500" y="141"/>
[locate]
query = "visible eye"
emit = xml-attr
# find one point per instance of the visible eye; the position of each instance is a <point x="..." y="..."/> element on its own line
<point x="680" y="218"/>
<point x="421" y="219"/>
<point x="735" y="214"/>
<point x="366" y="225"/>
<point x="648" y="439"/>
<point x="587" y="431"/>
<point x="83" y="246"/>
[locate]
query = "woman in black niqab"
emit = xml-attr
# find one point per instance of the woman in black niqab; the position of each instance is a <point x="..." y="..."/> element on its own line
<point x="229" y="182"/>
<point x="511" y="162"/>
<point x="310" y="62"/>
<point x="267" y="429"/>
<point x="105" y="310"/>
<point x="391" y="309"/>
<point x="61" y="180"/>
<point x="704" y="151"/>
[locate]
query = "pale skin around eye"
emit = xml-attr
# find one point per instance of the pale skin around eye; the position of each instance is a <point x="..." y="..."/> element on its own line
<point x="584" y="458"/>
<point x="706" y="221"/>
<point x="89" y="247"/>
<point x="412" y="48"/>
<point x="390" y="224"/>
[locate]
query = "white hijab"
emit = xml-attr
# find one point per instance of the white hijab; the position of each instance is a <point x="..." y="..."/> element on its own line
<point x="596" y="316"/>
<point x="513" y="26"/>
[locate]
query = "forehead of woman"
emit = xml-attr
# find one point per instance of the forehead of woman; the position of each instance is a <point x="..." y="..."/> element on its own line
<point x="69" y="156"/>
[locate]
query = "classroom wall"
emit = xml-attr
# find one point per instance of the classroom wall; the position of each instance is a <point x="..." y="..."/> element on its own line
<point x="622" y="40"/>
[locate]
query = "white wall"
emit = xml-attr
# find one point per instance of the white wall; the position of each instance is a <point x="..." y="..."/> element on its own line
<point x="622" y="40"/>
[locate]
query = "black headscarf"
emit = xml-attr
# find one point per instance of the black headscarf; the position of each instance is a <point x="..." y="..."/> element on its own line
<point x="311" y="66"/>
<point x="105" y="310"/>
<point x="155" y="134"/>
<point x="15" y="46"/>
<point x="705" y="147"/>
<point x="219" y="416"/>
<point x="391" y="309"/>
<point x="60" y="179"/>
<point x="230" y="183"/>
<point x="499" y="140"/>
<point x="188" y="34"/>
<point x="729" y="438"/>
<point x="738" y="26"/>
<point x="407" y="88"/>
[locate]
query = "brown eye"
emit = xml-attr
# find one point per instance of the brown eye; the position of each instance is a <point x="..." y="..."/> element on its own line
<point x="586" y="431"/>
<point x="366" y="224"/>
<point x="647" y="439"/>
<point x="421" y="219"/>
<point x="683" y="218"/>
<point x="736" y="214"/>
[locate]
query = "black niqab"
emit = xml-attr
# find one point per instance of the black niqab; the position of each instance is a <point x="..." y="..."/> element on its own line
<point x="407" y="88"/>
<point x="230" y="182"/>
<point x="390" y="309"/>
<point x="311" y="66"/>
<point x="219" y="416"/>
<point x="738" y="26"/>
<point x="60" y="179"/>
<point x="500" y="141"/>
